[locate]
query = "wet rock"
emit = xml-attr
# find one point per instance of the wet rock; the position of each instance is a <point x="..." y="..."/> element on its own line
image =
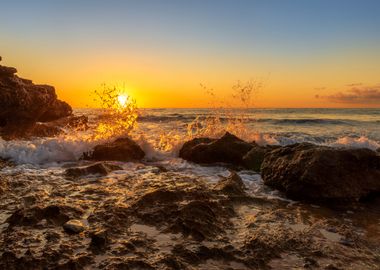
<point x="231" y="185"/>
<point x="98" y="239"/>
<point x="78" y="122"/>
<point x="53" y="214"/>
<point x="255" y="157"/>
<point x="122" y="149"/>
<point x="97" y="168"/>
<point x="29" y="130"/>
<point x="74" y="226"/>
<point x="320" y="173"/>
<point x="199" y="219"/>
<point x="24" y="103"/>
<point x="228" y="149"/>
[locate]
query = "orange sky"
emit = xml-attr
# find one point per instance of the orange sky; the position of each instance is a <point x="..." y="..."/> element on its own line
<point x="306" y="55"/>
<point x="170" y="82"/>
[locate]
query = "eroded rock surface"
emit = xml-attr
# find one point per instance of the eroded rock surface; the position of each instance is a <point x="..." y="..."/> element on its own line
<point x="320" y="173"/>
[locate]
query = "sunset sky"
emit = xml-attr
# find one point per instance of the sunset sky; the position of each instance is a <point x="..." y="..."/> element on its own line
<point x="307" y="53"/>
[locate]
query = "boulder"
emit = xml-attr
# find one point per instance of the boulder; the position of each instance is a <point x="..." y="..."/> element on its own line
<point x="122" y="149"/>
<point x="228" y="149"/>
<point x="97" y="168"/>
<point x="254" y="158"/>
<point x="24" y="103"/>
<point x="74" y="226"/>
<point x="320" y="173"/>
<point x="231" y="185"/>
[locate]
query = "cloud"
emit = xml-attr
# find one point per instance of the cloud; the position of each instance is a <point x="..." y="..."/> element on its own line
<point x="356" y="95"/>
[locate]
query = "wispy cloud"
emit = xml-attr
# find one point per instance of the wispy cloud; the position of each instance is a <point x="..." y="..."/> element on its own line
<point x="356" y="94"/>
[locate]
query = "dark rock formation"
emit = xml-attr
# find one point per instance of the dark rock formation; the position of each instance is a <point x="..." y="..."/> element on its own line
<point x="99" y="239"/>
<point x="24" y="103"/>
<point x="98" y="168"/>
<point x="320" y="173"/>
<point x="122" y="149"/>
<point x="228" y="149"/>
<point x="254" y="158"/>
<point x="231" y="185"/>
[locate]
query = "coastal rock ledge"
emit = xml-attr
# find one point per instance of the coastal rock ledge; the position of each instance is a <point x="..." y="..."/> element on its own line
<point x="321" y="174"/>
<point x="24" y="103"/>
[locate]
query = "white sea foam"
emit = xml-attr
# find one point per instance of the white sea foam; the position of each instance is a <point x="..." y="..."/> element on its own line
<point x="48" y="150"/>
<point x="361" y="142"/>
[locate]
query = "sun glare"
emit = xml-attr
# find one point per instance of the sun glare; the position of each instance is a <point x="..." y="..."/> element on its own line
<point x="122" y="99"/>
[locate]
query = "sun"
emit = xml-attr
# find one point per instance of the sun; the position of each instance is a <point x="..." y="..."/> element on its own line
<point x="122" y="99"/>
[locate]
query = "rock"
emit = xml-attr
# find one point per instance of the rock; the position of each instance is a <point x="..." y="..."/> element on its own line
<point x="228" y="149"/>
<point x="254" y="158"/>
<point x="122" y="149"/>
<point x="39" y="129"/>
<point x="320" y="173"/>
<point x="24" y="103"/>
<point x="78" y="122"/>
<point x="97" y="168"/>
<point x="54" y="214"/>
<point x="56" y="110"/>
<point x="98" y="239"/>
<point x="231" y="185"/>
<point x="74" y="226"/>
<point x="29" y="130"/>
<point x="7" y="71"/>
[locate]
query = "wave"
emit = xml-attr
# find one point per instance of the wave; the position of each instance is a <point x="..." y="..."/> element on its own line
<point x="306" y="121"/>
<point x="47" y="150"/>
<point x="252" y="119"/>
<point x="361" y="142"/>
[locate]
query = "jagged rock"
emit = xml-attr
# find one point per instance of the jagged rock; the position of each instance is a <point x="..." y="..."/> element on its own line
<point x="320" y="173"/>
<point x="231" y="185"/>
<point x="74" y="226"/>
<point x="98" y="168"/>
<point x="24" y="103"/>
<point x="122" y="149"/>
<point x="228" y="149"/>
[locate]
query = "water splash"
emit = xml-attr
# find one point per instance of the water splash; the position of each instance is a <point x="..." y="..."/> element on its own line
<point x="119" y="113"/>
